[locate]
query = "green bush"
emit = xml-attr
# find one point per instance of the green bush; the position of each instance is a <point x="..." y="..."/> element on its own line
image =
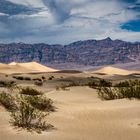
<point x="8" y="101"/>
<point x="30" y="91"/>
<point x="28" y="117"/>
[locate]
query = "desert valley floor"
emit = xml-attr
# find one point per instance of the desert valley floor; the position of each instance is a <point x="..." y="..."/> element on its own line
<point x="80" y="114"/>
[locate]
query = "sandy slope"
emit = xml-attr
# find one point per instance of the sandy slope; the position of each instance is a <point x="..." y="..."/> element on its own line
<point x="112" y="70"/>
<point x="34" y="67"/>
<point x="81" y="115"/>
<point x="24" y="68"/>
<point x="8" y="69"/>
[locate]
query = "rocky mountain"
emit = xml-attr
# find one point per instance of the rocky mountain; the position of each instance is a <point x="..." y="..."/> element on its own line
<point x="89" y="52"/>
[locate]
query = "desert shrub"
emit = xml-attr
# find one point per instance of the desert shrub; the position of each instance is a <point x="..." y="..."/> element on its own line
<point x="107" y="93"/>
<point x="43" y="77"/>
<point x="41" y="103"/>
<point x="64" y="87"/>
<point x="28" y="117"/>
<point x="30" y="91"/>
<point x="57" y="88"/>
<point x="27" y="78"/>
<point x="127" y="89"/>
<point x="37" y="79"/>
<point x="11" y="85"/>
<point x="92" y="84"/>
<point x="51" y="77"/>
<point x="18" y="77"/>
<point x="105" y="83"/>
<point x="8" y="101"/>
<point x="22" y="78"/>
<point x="7" y="83"/>
<point x="38" y="83"/>
<point x="122" y="84"/>
<point x="129" y="92"/>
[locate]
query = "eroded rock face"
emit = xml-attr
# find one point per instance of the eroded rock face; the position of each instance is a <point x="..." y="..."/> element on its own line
<point x="89" y="52"/>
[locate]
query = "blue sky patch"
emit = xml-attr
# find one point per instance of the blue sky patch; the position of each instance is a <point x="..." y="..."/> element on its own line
<point x="132" y="26"/>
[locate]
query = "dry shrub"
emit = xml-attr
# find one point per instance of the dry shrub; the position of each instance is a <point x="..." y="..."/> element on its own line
<point x="127" y="89"/>
<point x="8" y="101"/>
<point x="41" y="103"/>
<point x="30" y="91"/>
<point x="28" y="117"/>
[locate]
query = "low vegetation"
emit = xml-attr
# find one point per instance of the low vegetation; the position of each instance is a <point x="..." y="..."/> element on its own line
<point x="8" y="101"/>
<point x="77" y="81"/>
<point x="37" y="79"/>
<point x="28" y="109"/>
<point x="30" y="91"/>
<point x="41" y="103"/>
<point x="63" y="87"/>
<point x="22" y="78"/>
<point x="38" y="83"/>
<point x="28" y="117"/>
<point x="126" y="89"/>
<point x="51" y="77"/>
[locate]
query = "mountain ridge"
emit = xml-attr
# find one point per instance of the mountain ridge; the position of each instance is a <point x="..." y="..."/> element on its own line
<point x="88" y="52"/>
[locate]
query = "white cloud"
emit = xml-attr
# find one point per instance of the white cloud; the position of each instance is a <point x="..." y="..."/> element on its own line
<point x="64" y="21"/>
<point x="33" y="3"/>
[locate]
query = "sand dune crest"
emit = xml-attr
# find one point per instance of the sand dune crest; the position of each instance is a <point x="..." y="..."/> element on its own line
<point x="112" y="71"/>
<point x="29" y="67"/>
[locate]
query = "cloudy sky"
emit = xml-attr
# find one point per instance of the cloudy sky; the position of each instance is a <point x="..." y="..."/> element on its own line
<point x="65" y="21"/>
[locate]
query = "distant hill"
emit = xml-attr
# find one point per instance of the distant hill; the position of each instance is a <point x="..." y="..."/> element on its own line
<point x="88" y="52"/>
<point x="30" y="67"/>
<point x="112" y="70"/>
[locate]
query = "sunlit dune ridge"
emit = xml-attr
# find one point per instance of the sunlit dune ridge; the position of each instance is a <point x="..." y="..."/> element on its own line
<point x="112" y="71"/>
<point x="28" y="67"/>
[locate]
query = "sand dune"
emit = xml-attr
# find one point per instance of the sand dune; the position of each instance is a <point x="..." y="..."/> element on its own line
<point x="33" y="66"/>
<point x="112" y="71"/>
<point x="29" y="67"/>
<point x="8" y="69"/>
<point x="81" y="115"/>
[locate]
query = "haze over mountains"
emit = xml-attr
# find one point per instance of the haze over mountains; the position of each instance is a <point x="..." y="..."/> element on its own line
<point x="89" y="52"/>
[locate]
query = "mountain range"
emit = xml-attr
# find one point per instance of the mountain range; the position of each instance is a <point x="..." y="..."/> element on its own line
<point x="88" y="52"/>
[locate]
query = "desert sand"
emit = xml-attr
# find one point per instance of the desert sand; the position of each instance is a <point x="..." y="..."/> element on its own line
<point x="30" y="67"/>
<point x="112" y="71"/>
<point x="80" y="113"/>
<point x="34" y="67"/>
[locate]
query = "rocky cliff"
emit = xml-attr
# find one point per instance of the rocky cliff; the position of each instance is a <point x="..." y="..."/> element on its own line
<point x="89" y="52"/>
